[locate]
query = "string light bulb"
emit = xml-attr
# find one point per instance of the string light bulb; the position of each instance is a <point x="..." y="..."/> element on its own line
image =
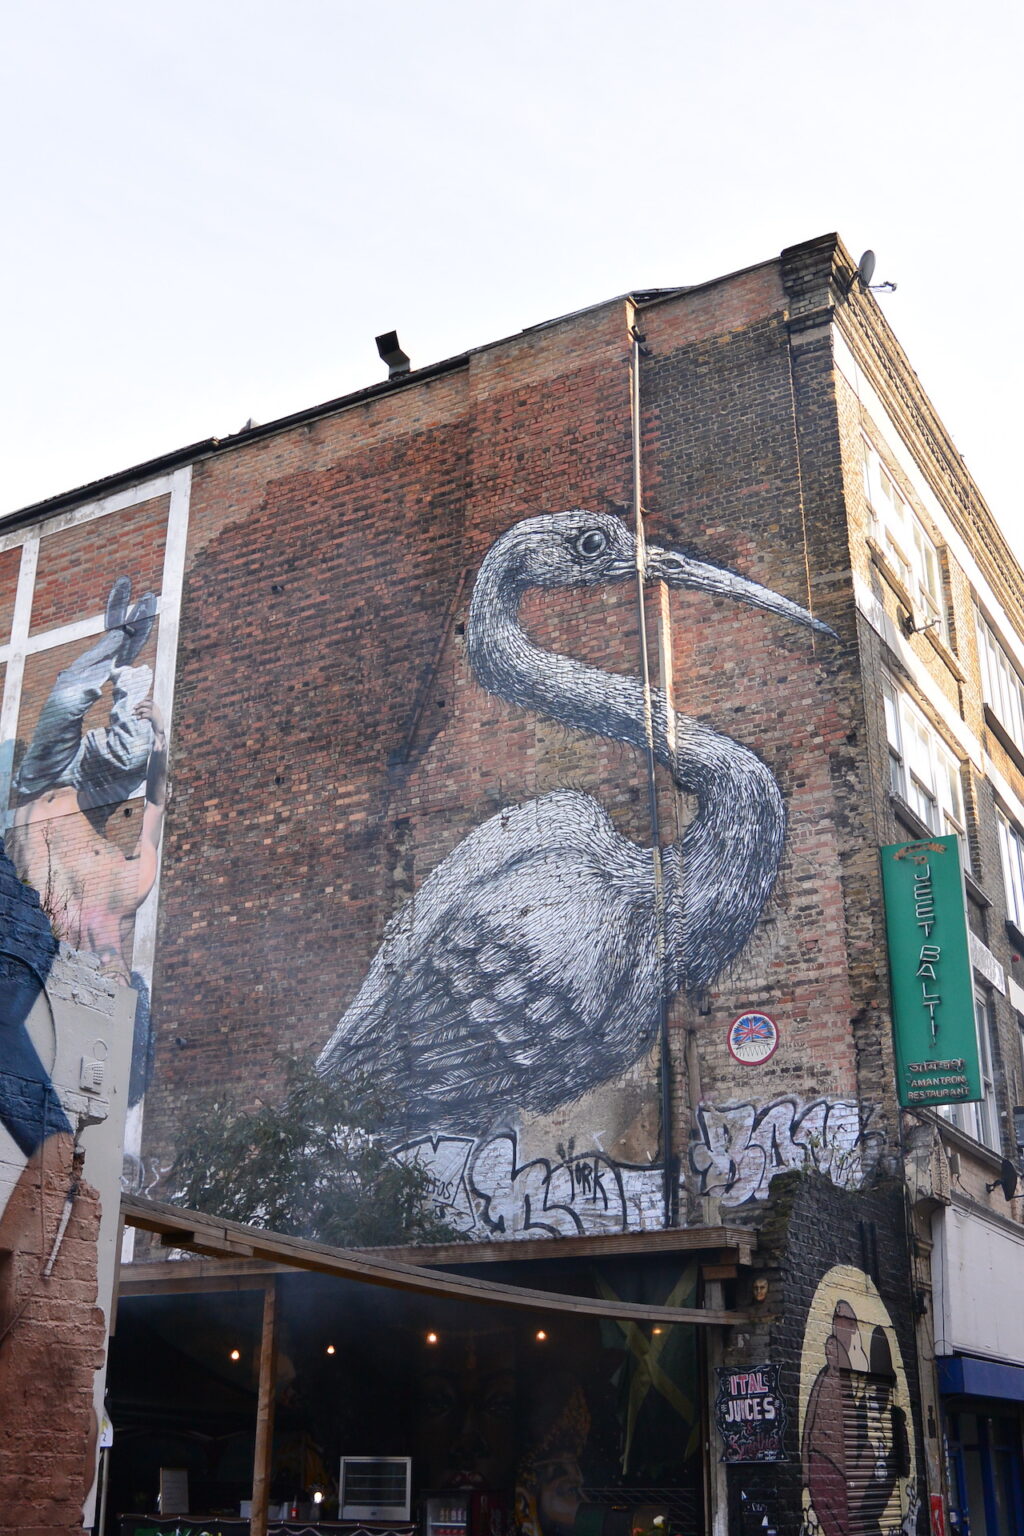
<point x="540" y="1336"/>
<point x="431" y="1338"/>
<point x="236" y="1354"/>
<point x="330" y="1349"/>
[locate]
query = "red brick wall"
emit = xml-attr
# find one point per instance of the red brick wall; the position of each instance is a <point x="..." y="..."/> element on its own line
<point x="78" y="565"/>
<point x="331" y="746"/>
<point x="54" y="1343"/>
<point x="322" y="566"/>
<point x="10" y="562"/>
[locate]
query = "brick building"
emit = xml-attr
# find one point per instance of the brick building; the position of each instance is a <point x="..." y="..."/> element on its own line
<point x="423" y="734"/>
<point x="66" y="1032"/>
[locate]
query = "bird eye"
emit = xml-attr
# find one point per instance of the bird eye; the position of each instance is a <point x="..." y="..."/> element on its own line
<point x="592" y="543"/>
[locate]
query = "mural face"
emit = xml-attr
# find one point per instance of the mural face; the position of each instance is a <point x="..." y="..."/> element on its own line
<point x="525" y="973"/>
<point x="856" y="1441"/>
<point x="69" y="785"/>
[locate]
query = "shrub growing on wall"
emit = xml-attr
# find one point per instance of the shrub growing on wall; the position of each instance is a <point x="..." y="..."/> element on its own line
<point x="308" y="1164"/>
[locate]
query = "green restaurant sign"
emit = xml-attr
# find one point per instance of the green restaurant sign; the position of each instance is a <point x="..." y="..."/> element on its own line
<point x="935" y="1031"/>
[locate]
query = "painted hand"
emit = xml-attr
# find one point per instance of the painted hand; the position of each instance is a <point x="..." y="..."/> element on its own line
<point x="146" y="709"/>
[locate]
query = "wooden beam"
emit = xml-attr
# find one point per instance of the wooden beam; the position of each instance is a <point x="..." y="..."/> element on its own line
<point x="729" y="1245"/>
<point x="263" y="1462"/>
<point x="211" y="1234"/>
<point x="737" y="1242"/>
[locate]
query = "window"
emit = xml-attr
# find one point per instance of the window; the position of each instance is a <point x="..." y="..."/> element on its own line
<point x="1001" y="684"/>
<point x="902" y="537"/>
<point x="1011" y="849"/>
<point x="922" y="770"/>
<point x="980" y="1120"/>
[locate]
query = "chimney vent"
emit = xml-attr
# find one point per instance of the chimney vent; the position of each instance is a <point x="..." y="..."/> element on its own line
<point x="392" y="354"/>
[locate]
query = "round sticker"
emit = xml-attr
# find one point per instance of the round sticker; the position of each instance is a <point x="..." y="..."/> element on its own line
<point x="753" y="1037"/>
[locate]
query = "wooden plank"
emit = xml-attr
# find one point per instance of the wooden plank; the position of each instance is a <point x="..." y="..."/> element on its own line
<point x="738" y="1243"/>
<point x="263" y="1462"/>
<point x="116" y="1288"/>
<point x="719" y="1271"/>
<point x="190" y="1227"/>
<point x="194" y="1285"/>
<point x="734" y="1244"/>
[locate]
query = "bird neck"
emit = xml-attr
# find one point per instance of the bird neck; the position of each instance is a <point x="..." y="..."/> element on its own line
<point x="507" y="662"/>
<point x="719" y="875"/>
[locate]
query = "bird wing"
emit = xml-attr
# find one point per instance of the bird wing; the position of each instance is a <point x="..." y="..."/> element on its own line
<point x="520" y="975"/>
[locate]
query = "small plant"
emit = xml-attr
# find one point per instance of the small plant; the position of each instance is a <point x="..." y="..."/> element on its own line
<point x="309" y="1163"/>
<point x="58" y="903"/>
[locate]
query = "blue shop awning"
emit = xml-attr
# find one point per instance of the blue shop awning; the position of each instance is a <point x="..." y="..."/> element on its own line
<point x="967" y="1376"/>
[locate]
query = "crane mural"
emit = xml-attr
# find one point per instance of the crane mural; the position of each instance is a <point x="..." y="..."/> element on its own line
<point x="524" y="973"/>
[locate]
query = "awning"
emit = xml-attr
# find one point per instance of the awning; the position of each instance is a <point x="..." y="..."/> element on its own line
<point x="232" y="1241"/>
<point x="967" y="1376"/>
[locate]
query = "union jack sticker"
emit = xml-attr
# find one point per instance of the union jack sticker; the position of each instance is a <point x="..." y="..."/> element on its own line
<point x="753" y="1038"/>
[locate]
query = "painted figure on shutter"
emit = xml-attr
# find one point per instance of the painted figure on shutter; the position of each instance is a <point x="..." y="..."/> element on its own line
<point x="856" y="1455"/>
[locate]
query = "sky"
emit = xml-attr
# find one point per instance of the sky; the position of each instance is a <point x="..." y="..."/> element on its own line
<point x="213" y="208"/>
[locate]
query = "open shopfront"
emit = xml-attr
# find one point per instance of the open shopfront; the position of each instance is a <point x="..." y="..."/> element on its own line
<point x="512" y="1392"/>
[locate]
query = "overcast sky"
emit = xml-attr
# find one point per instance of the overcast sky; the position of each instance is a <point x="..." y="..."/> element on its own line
<point x="213" y="208"/>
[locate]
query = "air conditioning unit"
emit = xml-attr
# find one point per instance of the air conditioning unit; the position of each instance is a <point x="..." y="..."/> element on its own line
<point x="375" y="1487"/>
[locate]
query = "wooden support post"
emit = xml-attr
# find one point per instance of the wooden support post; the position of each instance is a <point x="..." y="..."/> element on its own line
<point x="265" y="1413"/>
<point x="716" y="1491"/>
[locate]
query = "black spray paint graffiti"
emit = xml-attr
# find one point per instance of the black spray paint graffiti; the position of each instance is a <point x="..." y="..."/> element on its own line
<point x="742" y="1147"/>
<point x="483" y="1188"/>
<point x="524" y="973"/>
<point x="69" y="783"/>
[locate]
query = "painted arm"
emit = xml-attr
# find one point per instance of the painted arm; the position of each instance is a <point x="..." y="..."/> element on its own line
<point x="156" y="796"/>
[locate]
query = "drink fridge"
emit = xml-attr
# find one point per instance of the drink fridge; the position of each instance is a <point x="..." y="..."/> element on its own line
<point x="465" y="1512"/>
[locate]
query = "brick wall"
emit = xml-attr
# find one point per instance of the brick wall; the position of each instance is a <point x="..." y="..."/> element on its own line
<point x="58" y="1213"/>
<point x="331" y="746"/>
<point x="856" y="1243"/>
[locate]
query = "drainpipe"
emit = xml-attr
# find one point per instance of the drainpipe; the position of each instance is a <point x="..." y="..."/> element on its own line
<point x="665" y="1060"/>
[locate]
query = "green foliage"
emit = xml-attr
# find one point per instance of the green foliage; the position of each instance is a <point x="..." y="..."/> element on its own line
<point x="308" y="1164"/>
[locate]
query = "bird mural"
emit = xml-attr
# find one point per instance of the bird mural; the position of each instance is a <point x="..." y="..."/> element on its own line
<point x="524" y="972"/>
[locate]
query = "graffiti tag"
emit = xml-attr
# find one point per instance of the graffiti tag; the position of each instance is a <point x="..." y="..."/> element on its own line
<point x="481" y="1187"/>
<point x="741" y="1147"/>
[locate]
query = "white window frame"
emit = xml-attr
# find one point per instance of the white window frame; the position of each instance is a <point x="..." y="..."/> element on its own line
<point x="980" y="1119"/>
<point x="905" y="542"/>
<point x="1011" y="853"/>
<point x="1002" y="687"/>
<point x="923" y="772"/>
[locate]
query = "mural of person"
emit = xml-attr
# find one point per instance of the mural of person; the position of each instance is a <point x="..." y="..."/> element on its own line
<point x="857" y="1463"/>
<point x="30" y="1109"/>
<point x="466" y="1412"/>
<point x="69" y="783"/>
<point x="887" y="1436"/>
<point x="834" y="1434"/>
<point x="549" y="1479"/>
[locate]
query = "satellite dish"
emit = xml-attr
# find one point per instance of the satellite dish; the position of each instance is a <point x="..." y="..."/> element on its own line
<point x="866" y="268"/>
<point x="1008" y="1180"/>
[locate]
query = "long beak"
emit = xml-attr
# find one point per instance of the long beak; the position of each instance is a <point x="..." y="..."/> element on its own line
<point x="680" y="571"/>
